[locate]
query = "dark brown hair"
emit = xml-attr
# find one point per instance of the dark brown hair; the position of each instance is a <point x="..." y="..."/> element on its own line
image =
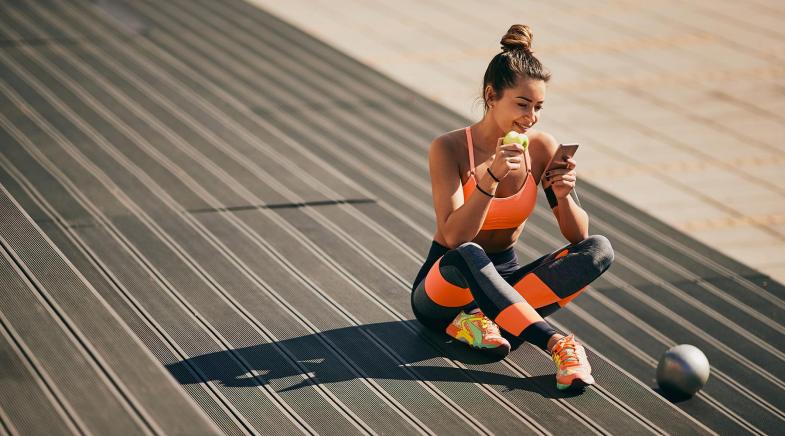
<point x="515" y="60"/>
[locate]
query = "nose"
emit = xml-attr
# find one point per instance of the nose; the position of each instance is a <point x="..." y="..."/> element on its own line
<point x="528" y="120"/>
<point x="530" y="117"/>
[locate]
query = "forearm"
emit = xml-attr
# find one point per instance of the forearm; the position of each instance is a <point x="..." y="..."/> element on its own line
<point x="573" y="220"/>
<point x="465" y="223"/>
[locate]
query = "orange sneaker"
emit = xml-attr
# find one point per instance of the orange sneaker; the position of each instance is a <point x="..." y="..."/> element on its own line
<point x="573" y="366"/>
<point x="478" y="331"/>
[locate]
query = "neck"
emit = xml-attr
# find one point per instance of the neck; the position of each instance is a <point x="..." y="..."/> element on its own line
<point x="485" y="133"/>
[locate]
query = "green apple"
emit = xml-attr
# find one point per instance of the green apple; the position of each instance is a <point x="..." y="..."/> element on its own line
<point x="513" y="136"/>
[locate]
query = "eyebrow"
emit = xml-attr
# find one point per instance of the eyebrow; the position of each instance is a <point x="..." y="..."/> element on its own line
<point x="520" y="96"/>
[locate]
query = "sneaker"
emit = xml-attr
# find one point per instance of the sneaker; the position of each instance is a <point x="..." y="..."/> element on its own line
<point x="478" y="331"/>
<point x="573" y="366"/>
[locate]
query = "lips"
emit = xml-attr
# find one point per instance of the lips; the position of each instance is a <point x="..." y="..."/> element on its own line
<point x="522" y="128"/>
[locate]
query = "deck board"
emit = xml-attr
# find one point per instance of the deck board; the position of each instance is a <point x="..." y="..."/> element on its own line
<point x="249" y="208"/>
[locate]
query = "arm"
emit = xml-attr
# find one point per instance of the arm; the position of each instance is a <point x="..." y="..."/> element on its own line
<point x="458" y="221"/>
<point x="559" y="186"/>
<point x="573" y="220"/>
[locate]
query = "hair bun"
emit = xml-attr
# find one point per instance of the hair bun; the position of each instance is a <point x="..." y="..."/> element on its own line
<point x="519" y="37"/>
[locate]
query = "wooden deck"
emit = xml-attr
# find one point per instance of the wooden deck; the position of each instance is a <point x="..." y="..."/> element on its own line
<point x="210" y="221"/>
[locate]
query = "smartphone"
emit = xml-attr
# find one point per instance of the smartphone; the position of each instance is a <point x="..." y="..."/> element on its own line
<point x="559" y="160"/>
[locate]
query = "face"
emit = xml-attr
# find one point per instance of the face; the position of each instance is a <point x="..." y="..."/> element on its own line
<point x="518" y="108"/>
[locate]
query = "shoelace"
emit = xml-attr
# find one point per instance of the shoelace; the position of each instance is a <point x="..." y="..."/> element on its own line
<point x="486" y="325"/>
<point x="568" y="355"/>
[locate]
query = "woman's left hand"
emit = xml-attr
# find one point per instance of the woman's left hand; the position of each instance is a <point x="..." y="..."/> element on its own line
<point x="563" y="180"/>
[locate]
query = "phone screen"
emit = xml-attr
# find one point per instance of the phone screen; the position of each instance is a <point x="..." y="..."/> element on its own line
<point x="559" y="160"/>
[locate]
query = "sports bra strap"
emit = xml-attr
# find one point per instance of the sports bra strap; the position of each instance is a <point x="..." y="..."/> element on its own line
<point x="470" y="146"/>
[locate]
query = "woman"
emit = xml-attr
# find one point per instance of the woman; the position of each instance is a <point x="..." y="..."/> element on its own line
<point x="483" y="191"/>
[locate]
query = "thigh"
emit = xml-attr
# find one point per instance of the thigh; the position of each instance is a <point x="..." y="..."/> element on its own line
<point x="540" y="282"/>
<point x="514" y="275"/>
<point x="564" y="272"/>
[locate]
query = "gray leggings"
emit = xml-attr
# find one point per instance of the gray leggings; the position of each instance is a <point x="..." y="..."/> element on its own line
<point x="516" y="296"/>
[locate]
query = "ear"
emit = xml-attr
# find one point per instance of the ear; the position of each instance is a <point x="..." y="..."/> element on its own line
<point x="489" y="95"/>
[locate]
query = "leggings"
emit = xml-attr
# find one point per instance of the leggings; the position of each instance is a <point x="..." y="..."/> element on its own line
<point x="515" y="297"/>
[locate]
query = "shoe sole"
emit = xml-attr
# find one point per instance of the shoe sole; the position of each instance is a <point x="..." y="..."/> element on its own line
<point x="497" y="351"/>
<point x="577" y="384"/>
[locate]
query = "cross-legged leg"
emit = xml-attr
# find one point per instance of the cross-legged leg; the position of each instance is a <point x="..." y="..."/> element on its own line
<point x="553" y="280"/>
<point x="474" y="278"/>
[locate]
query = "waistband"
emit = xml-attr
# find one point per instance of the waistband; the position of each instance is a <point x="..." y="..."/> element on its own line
<point x="499" y="258"/>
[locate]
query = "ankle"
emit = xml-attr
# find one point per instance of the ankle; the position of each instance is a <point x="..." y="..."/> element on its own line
<point x="552" y="341"/>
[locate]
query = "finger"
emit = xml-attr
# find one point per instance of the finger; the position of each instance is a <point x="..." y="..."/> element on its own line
<point x="512" y="147"/>
<point x="568" y="178"/>
<point x="556" y="172"/>
<point x="563" y="184"/>
<point x="562" y="178"/>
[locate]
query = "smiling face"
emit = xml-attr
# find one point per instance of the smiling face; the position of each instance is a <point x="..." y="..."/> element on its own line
<point x="517" y="108"/>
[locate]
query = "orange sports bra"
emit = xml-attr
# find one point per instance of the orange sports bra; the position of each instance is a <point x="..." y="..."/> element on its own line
<point x="505" y="212"/>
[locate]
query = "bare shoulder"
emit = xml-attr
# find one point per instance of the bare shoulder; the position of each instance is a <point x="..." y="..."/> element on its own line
<point x="542" y="145"/>
<point x="447" y="147"/>
<point x="449" y="139"/>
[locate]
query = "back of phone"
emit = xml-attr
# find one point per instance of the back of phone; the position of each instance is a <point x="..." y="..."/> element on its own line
<point x="559" y="160"/>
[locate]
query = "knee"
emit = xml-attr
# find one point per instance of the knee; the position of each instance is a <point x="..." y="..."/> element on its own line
<point x="429" y="313"/>
<point x="602" y="252"/>
<point x="469" y="247"/>
<point x="463" y="255"/>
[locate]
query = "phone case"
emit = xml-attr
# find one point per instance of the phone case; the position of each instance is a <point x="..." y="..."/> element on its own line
<point x="557" y="161"/>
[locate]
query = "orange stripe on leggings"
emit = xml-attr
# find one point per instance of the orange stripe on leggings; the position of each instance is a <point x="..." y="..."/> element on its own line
<point x="535" y="291"/>
<point x="444" y="293"/>
<point x="566" y="300"/>
<point x="516" y="317"/>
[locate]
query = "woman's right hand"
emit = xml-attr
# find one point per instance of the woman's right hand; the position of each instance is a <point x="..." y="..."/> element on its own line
<point x="506" y="158"/>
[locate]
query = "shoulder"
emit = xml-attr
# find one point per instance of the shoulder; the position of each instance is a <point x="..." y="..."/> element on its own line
<point x="542" y="145"/>
<point x="448" y="145"/>
<point x="451" y="139"/>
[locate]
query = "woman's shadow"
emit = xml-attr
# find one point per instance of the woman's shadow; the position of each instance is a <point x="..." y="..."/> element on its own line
<point x="409" y="352"/>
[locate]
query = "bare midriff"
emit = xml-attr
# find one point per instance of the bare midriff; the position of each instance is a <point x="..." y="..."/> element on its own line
<point x="492" y="241"/>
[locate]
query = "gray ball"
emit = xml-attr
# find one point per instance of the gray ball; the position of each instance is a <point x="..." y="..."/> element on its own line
<point x="683" y="369"/>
